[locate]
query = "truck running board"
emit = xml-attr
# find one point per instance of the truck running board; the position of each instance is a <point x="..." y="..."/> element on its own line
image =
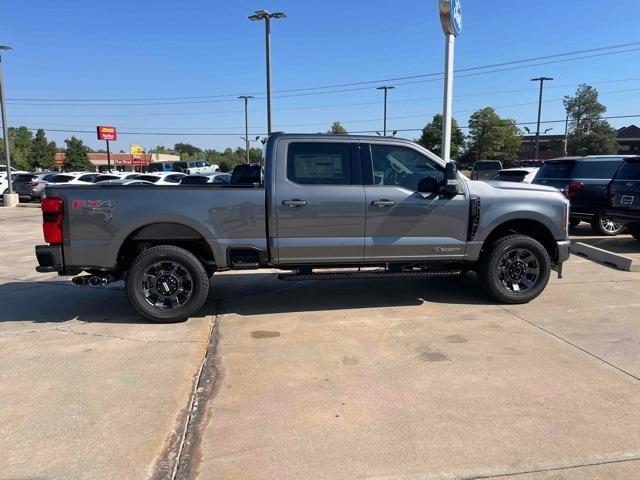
<point x="292" y="277"/>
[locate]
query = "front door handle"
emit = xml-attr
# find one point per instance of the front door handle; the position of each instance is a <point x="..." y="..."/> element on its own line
<point x="384" y="203"/>
<point x="294" y="203"/>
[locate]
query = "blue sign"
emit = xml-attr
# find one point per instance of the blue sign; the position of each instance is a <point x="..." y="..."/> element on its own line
<point x="451" y="16"/>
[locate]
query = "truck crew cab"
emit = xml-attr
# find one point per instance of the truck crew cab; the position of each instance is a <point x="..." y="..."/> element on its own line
<point x="320" y="202"/>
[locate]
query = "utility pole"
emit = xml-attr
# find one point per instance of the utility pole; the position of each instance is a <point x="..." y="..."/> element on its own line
<point x="386" y="88"/>
<point x="246" y="123"/>
<point x="566" y="131"/>
<point x="11" y="199"/>
<point x="266" y="16"/>
<point x="541" y="80"/>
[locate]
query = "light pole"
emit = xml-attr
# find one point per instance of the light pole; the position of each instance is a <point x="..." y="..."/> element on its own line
<point x="386" y="88"/>
<point x="5" y="129"/>
<point x="541" y="80"/>
<point x="266" y="16"/>
<point x="246" y="123"/>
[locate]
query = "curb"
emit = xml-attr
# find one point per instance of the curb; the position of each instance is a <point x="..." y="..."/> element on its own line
<point x="605" y="257"/>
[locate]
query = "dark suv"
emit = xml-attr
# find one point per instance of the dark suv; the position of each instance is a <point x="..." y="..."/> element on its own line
<point x="584" y="181"/>
<point x="623" y="196"/>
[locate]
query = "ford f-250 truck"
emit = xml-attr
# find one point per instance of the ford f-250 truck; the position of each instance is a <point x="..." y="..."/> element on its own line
<point x="321" y="205"/>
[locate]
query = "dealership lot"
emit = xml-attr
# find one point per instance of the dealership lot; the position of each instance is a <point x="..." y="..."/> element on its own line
<point x="396" y="379"/>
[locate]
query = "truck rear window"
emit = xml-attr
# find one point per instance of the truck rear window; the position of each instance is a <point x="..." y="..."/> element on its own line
<point x="319" y="163"/>
<point x="630" y="170"/>
<point x="557" y="169"/>
<point x="487" y="165"/>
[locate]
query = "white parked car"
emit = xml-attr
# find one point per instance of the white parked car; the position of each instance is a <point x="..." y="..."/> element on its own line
<point x="192" y="167"/>
<point x="124" y="181"/>
<point x="74" y="178"/>
<point x="163" y="178"/>
<point x="519" y="175"/>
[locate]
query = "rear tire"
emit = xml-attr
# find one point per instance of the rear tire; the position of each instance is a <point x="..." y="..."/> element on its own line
<point x="515" y="269"/>
<point x="167" y="284"/>
<point x="605" y="226"/>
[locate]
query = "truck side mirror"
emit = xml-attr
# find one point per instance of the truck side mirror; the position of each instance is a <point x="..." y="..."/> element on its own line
<point x="428" y="185"/>
<point x="450" y="186"/>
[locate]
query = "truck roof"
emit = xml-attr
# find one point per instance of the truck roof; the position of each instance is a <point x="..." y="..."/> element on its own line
<point x="341" y="136"/>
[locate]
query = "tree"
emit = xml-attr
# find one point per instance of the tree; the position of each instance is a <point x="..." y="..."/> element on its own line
<point x="75" y="155"/>
<point x="431" y="137"/>
<point x="160" y="149"/>
<point x="337" y="129"/>
<point x="491" y="137"/>
<point x="19" y="145"/>
<point x="588" y="132"/>
<point x="186" y="150"/>
<point x="42" y="153"/>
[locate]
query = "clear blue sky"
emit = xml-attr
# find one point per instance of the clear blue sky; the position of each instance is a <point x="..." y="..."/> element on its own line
<point x="77" y="49"/>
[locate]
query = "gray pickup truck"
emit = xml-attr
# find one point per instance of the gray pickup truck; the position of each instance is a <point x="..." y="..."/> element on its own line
<point x="322" y="206"/>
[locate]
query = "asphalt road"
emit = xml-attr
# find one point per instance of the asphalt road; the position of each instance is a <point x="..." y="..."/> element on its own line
<point x="385" y="379"/>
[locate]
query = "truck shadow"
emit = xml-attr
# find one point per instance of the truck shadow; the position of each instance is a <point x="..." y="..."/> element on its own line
<point x="241" y="293"/>
<point x="263" y="293"/>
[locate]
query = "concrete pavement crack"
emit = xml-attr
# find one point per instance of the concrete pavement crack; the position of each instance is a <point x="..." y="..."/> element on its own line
<point x="568" y="342"/>
<point x="180" y="459"/>
<point x="551" y="469"/>
<point x="105" y="335"/>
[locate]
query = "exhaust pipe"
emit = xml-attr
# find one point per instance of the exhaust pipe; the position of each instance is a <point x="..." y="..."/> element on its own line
<point x="91" y="281"/>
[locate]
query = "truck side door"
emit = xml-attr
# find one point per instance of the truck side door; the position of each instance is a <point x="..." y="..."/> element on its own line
<point x="319" y="202"/>
<point x="401" y="223"/>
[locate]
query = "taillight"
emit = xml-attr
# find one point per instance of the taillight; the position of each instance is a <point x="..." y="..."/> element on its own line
<point x="52" y="216"/>
<point x="573" y="189"/>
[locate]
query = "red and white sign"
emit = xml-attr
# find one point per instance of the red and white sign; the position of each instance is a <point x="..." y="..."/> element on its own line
<point x="106" y="133"/>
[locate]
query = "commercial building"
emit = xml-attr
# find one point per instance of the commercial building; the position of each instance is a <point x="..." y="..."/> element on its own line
<point x="552" y="146"/>
<point x="123" y="162"/>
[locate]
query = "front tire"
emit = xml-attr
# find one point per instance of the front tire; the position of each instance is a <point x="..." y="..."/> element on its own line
<point x="605" y="226"/>
<point x="515" y="269"/>
<point x="167" y="284"/>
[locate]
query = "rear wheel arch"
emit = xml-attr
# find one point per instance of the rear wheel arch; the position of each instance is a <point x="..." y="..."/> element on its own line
<point x="165" y="233"/>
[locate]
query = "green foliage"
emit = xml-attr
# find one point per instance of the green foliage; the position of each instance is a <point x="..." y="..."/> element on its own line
<point x="492" y="137"/>
<point x="42" y="153"/>
<point x="75" y="156"/>
<point x="598" y="137"/>
<point x="229" y="158"/>
<point x="431" y="137"/>
<point x="589" y="133"/>
<point x="161" y="149"/>
<point x="19" y="145"/>
<point x="337" y="129"/>
<point x="187" y="151"/>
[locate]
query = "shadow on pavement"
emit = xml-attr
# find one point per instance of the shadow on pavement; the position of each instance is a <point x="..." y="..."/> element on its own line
<point x="621" y="244"/>
<point x="57" y="302"/>
<point x="274" y="296"/>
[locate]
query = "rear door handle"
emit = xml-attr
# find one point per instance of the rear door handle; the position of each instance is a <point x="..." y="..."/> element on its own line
<point x="384" y="203"/>
<point x="294" y="203"/>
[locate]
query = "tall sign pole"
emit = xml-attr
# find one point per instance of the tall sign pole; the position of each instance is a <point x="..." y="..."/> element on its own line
<point x="107" y="134"/>
<point x="451" y="20"/>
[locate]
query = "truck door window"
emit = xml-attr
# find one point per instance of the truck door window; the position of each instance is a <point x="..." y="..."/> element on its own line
<point x="319" y="163"/>
<point x="402" y="166"/>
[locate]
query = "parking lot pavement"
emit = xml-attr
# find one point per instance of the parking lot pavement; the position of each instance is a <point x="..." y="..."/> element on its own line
<point x="394" y="379"/>
<point x="407" y="379"/>
<point x="621" y="244"/>
<point x="87" y="389"/>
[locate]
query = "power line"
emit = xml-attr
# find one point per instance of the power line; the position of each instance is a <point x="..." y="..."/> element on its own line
<point x="368" y="82"/>
<point x="504" y="124"/>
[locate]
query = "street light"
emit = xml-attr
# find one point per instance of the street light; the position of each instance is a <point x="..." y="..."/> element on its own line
<point x="5" y="132"/>
<point x="247" y="140"/>
<point x="541" y="80"/>
<point x="385" y="88"/>
<point x="246" y="122"/>
<point x="266" y="16"/>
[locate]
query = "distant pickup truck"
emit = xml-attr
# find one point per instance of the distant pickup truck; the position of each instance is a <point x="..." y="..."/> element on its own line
<point x="322" y="207"/>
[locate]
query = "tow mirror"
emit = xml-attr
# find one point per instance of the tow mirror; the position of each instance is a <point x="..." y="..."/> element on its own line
<point x="428" y="185"/>
<point x="450" y="186"/>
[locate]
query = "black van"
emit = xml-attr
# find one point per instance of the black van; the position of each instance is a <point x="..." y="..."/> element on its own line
<point x="623" y="196"/>
<point x="584" y="181"/>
